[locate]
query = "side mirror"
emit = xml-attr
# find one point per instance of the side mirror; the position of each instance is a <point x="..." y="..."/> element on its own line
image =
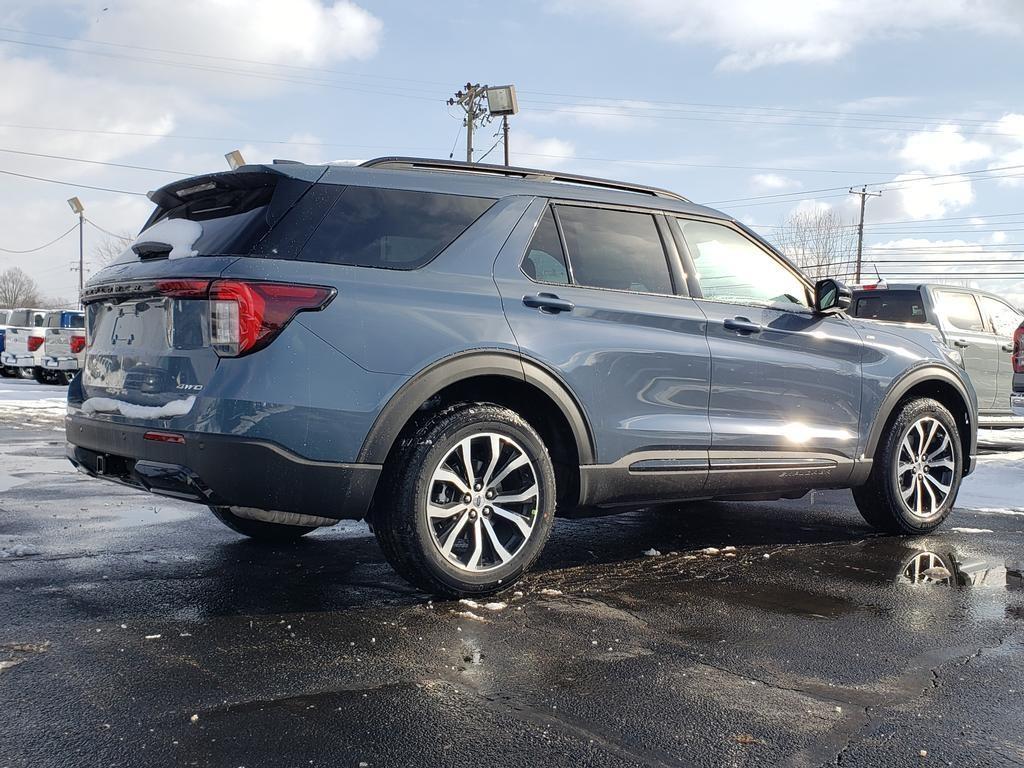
<point x="831" y="296"/>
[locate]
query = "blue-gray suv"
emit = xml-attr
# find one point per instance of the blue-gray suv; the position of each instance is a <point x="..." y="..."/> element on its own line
<point x="456" y="353"/>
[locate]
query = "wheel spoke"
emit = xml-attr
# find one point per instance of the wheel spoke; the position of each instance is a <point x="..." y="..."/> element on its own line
<point x="519" y="520"/>
<point x="515" y="463"/>
<point x="517" y="498"/>
<point x="906" y="447"/>
<point x="940" y="450"/>
<point x="453" y="534"/>
<point x="437" y="512"/>
<point x="935" y="502"/>
<point x="503" y="554"/>
<point x="478" y="545"/>
<point x="919" y="428"/>
<point x="495" y="455"/>
<point x="906" y="467"/>
<point x="947" y="463"/>
<point x="909" y="491"/>
<point x="466" y="449"/>
<point x="444" y="475"/>
<point x="928" y="440"/>
<point x="944" y="489"/>
<point x="919" y="483"/>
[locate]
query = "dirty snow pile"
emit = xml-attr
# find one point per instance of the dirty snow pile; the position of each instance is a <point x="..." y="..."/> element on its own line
<point x="1001" y="438"/>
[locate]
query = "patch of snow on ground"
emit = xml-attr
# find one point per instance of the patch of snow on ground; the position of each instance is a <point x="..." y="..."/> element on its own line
<point x="1001" y="438"/>
<point x="971" y="530"/>
<point x="996" y="484"/>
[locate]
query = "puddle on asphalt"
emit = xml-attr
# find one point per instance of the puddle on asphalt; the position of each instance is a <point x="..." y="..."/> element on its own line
<point x="902" y="562"/>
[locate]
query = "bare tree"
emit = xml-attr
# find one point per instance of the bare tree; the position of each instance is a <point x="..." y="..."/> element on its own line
<point x="819" y="242"/>
<point x="107" y="250"/>
<point x="17" y="289"/>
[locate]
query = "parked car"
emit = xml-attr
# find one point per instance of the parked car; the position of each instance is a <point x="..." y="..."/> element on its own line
<point x="63" y="347"/>
<point x="979" y="326"/>
<point x="23" y="342"/>
<point x="5" y="315"/>
<point x="1017" y="363"/>
<point x="455" y="352"/>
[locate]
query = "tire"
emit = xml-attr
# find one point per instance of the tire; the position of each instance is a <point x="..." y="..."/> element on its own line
<point x="426" y="473"/>
<point x="272" y="533"/>
<point x="8" y="373"/>
<point x="41" y="375"/>
<point x="913" y="501"/>
<point x="65" y="377"/>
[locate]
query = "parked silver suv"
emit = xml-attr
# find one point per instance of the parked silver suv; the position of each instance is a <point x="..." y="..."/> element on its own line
<point x="977" y="326"/>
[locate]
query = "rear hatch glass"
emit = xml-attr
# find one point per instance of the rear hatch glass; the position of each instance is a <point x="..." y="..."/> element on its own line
<point x="892" y="306"/>
<point x="148" y="351"/>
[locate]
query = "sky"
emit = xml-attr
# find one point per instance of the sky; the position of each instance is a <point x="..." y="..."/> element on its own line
<point x="758" y="109"/>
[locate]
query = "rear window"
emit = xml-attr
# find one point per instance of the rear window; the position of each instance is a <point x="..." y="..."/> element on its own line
<point x="390" y="228"/>
<point x="19" y="318"/>
<point x="893" y="306"/>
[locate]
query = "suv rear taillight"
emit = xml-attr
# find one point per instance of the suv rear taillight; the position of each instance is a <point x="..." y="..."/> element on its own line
<point x="77" y="344"/>
<point x="246" y="316"/>
<point x="34" y="343"/>
<point x="1018" y="350"/>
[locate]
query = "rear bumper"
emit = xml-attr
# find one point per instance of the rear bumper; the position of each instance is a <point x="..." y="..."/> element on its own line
<point x="60" y="363"/>
<point x="221" y="470"/>
<point x="17" y="360"/>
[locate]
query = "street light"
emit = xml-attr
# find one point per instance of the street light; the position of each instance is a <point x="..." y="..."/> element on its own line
<point x="502" y="102"/>
<point x="77" y="207"/>
<point x="235" y="159"/>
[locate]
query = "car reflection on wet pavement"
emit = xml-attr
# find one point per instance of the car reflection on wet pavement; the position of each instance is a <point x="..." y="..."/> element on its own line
<point x="139" y="631"/>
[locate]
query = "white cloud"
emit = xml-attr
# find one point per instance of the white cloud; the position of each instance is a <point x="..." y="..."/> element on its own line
<point x="773" y="182"/>
<point x="914" y="196"/>
<point x="303" y="32"/>
<point x="943" y="150"/>
<point x="529" y="150"/>
<point x="755" y="33"/>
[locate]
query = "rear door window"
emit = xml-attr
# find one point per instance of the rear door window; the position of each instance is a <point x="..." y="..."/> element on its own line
<point x="959" y="310"/>
<point x="391" y="228"/>
<point x="1003" y="317"/>
<point x="621" y="250"/>
<point x="892" y="306"/>
<point x="545" y="259"/>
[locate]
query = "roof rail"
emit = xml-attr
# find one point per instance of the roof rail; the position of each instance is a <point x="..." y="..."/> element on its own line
<point x="427" y="164"/>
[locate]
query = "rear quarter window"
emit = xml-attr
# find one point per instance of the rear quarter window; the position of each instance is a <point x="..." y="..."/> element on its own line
<point x="390" y="228"/>
<point x="892" y="306"/>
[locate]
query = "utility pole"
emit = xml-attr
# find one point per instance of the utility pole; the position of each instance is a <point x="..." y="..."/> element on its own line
<point x="471" y="99"/>
<point x="864" y="195"/>
<point x="77" y="207"/>
<point x="504" y="131"/>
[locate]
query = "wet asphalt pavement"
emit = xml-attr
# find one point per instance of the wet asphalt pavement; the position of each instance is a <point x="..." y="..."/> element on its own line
<point x="138" y="631"/>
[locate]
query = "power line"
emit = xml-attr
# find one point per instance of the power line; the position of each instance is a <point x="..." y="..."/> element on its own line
<point x="44" y="245"/>
<point x="94" y="162"/>
<point x="104" y="231"/>
<point x="72" y="184"/>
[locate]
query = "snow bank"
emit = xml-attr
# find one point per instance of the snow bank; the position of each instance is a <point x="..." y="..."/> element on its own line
<point x="133" y="411"/>
<point x="996" y="484"/>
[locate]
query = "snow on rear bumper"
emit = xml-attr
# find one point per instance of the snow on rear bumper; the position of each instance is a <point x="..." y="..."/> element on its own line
<point x="220" y="470"/>
<point x="18" y="360"/>
<point x="60" y="363"/>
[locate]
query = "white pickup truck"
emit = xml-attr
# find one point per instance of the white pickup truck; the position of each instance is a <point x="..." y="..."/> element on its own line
<point x="63" y="347"/>
<point x="23" y="342"/>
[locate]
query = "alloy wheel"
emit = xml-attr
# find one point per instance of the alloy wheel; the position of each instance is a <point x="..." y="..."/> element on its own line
<point x="925" y="467"/>
<point x="482" y="503"/>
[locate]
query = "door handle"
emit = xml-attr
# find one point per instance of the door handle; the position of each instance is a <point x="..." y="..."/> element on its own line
<point x="960" y="343"/>
<point x="549" y="303"/>
<point x="742" y="325"/>
<point x="1007" y="347"/>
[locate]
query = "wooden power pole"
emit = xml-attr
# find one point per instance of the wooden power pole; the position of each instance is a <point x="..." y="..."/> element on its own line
<point x="864" y="195"/>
